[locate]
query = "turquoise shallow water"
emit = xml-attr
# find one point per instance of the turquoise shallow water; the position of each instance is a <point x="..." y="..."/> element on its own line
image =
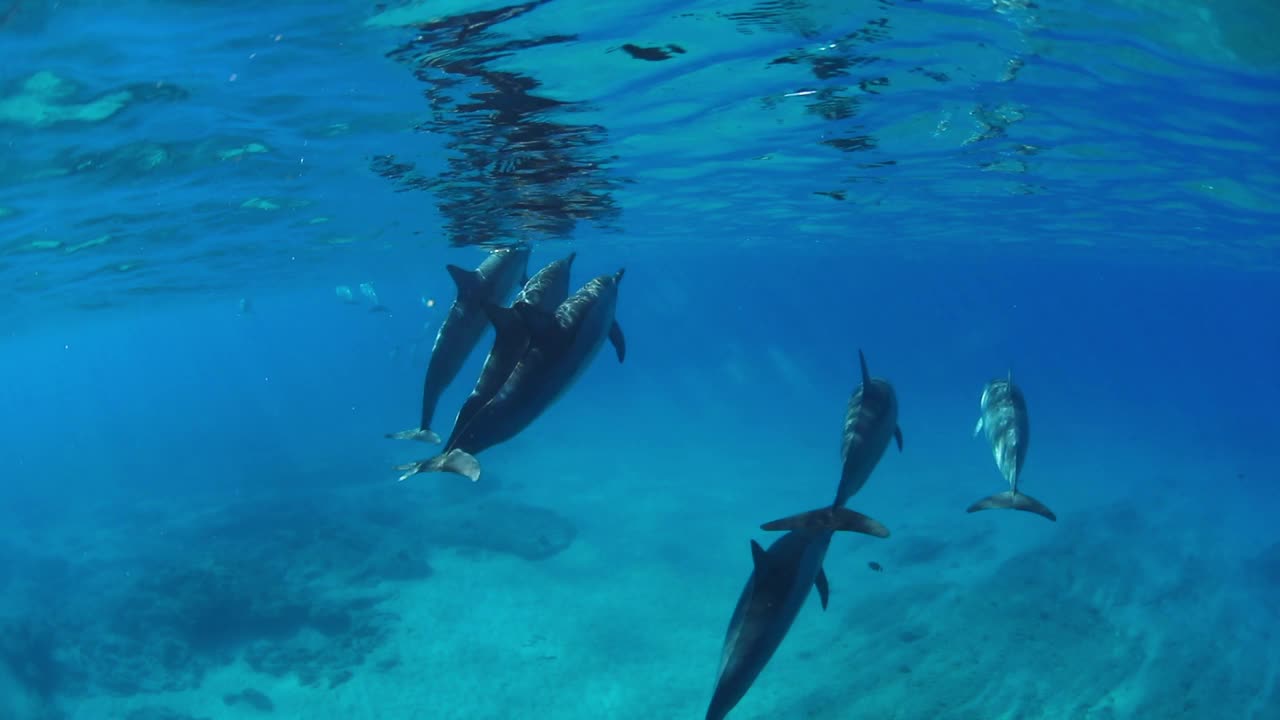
<point x="223" y="231"/>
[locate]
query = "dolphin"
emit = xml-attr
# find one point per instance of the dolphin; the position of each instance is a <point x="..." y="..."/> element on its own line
<point x="774" y="593"/>
<point x="531" y="312"/>
<point x="870" y="422"/>
<point x="1004" y="417"/>
<point x="554" y="358"/>
<point x="491" y="282"/>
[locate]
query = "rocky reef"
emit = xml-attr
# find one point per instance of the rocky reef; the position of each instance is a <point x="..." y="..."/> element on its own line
<point x="293" y="585"/>
<point x="1118" y="608"/>
<point x="46" y="99"/>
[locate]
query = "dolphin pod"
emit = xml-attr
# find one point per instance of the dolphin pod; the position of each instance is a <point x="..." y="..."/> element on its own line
<point x="546" y="339"/>
<point x="543" y="343"/>
<point x="535" y="306"/>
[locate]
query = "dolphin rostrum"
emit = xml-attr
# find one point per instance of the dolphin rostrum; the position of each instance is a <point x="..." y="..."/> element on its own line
<point x="1004" y="417"/>
<point x="492" y="282"/>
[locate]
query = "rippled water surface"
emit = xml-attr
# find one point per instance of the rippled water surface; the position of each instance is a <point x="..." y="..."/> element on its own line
<point x="157" y="148"/>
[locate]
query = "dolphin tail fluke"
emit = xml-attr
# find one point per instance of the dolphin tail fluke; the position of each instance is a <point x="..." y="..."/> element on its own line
<point x="830" y="518"/>
<point x="422" y="434"/>
<point x="458" y="462"/>
<point x="1009" y="500"/>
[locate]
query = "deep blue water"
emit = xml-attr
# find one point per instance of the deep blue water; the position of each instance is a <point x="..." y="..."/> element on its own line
<point x="200" y="518"/>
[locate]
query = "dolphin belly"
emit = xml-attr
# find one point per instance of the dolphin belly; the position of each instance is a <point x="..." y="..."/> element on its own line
<point x="1008" y="431"/>
<point x="1008" y="434"/>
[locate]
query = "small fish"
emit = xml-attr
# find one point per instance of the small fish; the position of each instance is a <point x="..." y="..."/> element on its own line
<point x="875" y="566"/>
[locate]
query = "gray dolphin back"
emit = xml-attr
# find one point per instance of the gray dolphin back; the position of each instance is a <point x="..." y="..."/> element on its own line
<point x="492" y="282"/>
<point x="870" y="424"/>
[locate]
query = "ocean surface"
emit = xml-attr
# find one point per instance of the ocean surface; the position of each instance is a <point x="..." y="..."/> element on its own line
<point x="224" y="228"/>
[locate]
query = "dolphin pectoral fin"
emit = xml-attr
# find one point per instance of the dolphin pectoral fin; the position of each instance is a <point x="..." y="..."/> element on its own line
<point x="897" y="435"/>
<point x="1008" y="500"/>
<point x="830" y="519"/>
<point x="468" y="281"/>
<point x="759" y="558"/>
<point x="824" y="590"/>
<point x="977" y="429"/>
<point x="619" y="342"/>
<point x="423" y="434"/>
<point x="455" y="461"/>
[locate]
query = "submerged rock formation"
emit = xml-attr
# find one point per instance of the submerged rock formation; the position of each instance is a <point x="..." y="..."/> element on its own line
<point x="291" y="584"/>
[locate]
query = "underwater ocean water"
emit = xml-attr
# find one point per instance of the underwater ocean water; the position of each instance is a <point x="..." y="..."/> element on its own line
<point x="224" y="238"/>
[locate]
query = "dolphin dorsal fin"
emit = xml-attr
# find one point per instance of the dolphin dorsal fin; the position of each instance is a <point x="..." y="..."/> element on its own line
<point x="539" y="323"/>
<point x="759" y="557"/>
<point x="468" y="281"/>
<point x="866" y="374"/>
<point x="508" y="326"/>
